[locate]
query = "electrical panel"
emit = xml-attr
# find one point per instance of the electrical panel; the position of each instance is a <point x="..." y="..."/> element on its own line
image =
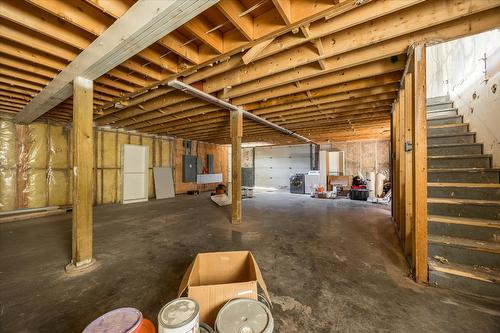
<point x="210" y="163"/>
<point x="189" y="165"/>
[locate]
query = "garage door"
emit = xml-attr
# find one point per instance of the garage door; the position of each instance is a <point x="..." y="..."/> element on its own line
<point x="275" y="165"/>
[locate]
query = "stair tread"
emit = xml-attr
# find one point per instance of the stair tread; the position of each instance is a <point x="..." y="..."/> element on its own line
<point x="445" y="117"/>
<point x="447" y="135"/>
<point x="474" y="272"/>
<point x="440" y="110"/>
<point x="465" y="221"/>
<point x="471" y="185"/>
<point x="463" y="169"/>
<point x="464" y="201"/>
<point x="472" y="244"/>
<point x="461" y="144"/>
<point x="448" y="125"/>
<point x="458" y="156"/>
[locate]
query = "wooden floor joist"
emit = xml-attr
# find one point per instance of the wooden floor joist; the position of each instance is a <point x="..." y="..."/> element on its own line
<point x="138" y="28"/>
<point x="294" y="62"/>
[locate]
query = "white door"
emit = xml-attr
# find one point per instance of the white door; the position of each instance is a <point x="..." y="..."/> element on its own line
<point x="135" y="173"/>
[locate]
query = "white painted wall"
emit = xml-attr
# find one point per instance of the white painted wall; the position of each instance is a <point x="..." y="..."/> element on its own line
<point x="275" y="164"/>
<point x="456" y="68"/>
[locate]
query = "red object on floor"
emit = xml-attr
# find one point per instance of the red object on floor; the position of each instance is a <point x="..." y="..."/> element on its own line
<point x="146" y="326"/>
<point x="360" y="187"/>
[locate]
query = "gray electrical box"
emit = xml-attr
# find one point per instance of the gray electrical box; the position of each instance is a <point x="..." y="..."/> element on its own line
<point x="247" y="177"/>
<point x="199" y="166"/>
<point x="210" y="163"/>
<point x="189" y="168"/>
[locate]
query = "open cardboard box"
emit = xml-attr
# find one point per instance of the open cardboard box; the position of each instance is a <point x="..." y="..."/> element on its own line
<point x="215" y="278"/>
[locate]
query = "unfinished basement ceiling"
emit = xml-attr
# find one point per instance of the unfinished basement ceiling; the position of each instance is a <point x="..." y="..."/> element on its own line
<point x="325" y="70"/>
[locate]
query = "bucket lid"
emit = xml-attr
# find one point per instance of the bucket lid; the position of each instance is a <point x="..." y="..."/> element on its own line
<point x="245" y="316"/>
<point x="122" y="320"/>
<point x="178" y="312"/>
<point x="204" y="328"/>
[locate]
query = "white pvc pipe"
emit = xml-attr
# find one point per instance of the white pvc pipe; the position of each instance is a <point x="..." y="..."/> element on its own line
<point x="228" y="106"/>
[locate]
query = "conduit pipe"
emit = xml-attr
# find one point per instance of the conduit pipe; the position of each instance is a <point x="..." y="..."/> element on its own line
<point x="228" y="106"/>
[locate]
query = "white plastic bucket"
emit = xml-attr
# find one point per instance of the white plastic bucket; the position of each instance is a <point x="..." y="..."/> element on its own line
<point x="123" y="320"/>
<point x="182" y="315"/>
<point x="204" y="328"/>
<point x="244" y="315"/>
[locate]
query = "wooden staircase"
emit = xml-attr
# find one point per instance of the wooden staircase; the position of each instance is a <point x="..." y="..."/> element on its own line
<point x="463" y="206"/>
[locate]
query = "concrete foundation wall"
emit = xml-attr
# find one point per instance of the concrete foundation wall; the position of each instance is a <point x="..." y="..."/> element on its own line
<point x="468" y="70"/>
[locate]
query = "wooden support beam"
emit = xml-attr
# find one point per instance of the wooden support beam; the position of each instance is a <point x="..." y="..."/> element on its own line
<point x="44" y="23"/>
<point x="26" y="66"/>
<point x="174" y="43"/>
<point x="25" y="37"/>
<point x="284" y="7"/>
<point x="250" y="55"/>
<point x="236" y="134"/>
<point x="199" y="28"/>
<point x="141" y="26"/>
<point x="82" y="175"/>
<point x="81" y="15"/>
<point x="420" y="165"/>
<point x="396" y="38"/>
<point x="158" y="59"/>
<point x="231" y="10"/>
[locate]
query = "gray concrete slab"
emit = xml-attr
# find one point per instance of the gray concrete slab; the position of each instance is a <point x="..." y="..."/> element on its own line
<point x="330" y="265"/>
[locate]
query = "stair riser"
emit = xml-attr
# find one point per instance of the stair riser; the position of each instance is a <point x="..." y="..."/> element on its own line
<point x="452" y="192"/>
<point x="463" y="177"/>
<point x="439" y="106"/>
<point x="466" y="162"/>
<point x="454" y="150"/>
<point x="444" y="121"/>
<point x="438" y="99"/>
<point x="491" y="212"/>
<point x="480" y="233"/>
<point x="464" y="284"/>
<point x="448" y="130"/>
<point x="464" y="256"/>
<point x="465" y="138"/>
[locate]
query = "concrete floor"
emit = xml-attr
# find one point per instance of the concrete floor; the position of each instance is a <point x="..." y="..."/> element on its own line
<point x="330" y="265"/>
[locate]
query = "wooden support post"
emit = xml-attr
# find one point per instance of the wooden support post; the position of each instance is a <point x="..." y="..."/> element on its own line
<point x="395" y="168"/>
<point x="408" y="167"/>
<point x="82" y="175"/>
<point x="401" y="165"/>
<point x="420" y="166"/>
<point x="236" y="134"/>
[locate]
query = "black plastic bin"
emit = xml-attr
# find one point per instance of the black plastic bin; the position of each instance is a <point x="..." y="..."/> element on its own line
<point x="358" y="194"/>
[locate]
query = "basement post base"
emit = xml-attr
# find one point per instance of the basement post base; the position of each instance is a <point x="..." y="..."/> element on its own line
<point x="80" y="267"/>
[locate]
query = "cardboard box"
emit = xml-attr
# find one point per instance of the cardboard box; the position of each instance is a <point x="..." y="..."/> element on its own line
<point x="215" y="278"/>
<point x="339" y="181"/>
